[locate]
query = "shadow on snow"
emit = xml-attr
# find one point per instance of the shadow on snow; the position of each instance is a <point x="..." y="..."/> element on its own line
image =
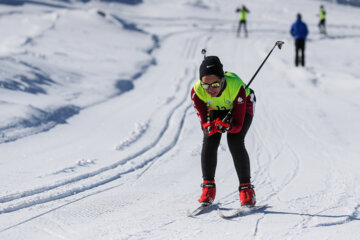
<point x="40" y="121"/>
<point x="344" y="218"/>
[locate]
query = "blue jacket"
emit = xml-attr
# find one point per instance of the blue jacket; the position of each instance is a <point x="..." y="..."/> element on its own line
<point x="299" y="29"/>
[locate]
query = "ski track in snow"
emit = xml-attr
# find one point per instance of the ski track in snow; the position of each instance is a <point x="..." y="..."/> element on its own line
<point x="134" y="136"/>
<point x="141" y="158"/>
<point x="75" y="185"/>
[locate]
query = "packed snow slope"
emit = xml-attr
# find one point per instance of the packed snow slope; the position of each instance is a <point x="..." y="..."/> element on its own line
<point x="99" y="139"/>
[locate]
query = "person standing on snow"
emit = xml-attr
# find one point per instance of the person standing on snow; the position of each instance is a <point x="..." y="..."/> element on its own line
<point x="243" y="11"/>
<point x="299" y="31"/>
<point x="321" y="24"/>
<point x="223" y="105"/>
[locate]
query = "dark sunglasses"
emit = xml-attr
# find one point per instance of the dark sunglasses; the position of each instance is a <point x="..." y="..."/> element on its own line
<point x="206" y="86"/>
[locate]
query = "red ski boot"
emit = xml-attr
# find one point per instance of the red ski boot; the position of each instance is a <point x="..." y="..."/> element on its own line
<point x="247" y="194"/>
<point x="208" y="192"/>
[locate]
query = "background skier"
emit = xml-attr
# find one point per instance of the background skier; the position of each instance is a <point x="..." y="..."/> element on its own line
<point x="299" y="31"/>
<point x="215" y="95"/>
<point x="243" y="11"/>
<point x="322" y="23"/>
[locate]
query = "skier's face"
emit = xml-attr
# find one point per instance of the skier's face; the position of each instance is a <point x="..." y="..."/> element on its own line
<point x="213" y="84"/>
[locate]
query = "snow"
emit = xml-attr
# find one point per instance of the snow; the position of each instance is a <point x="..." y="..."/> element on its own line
<point x="99" y="139"/>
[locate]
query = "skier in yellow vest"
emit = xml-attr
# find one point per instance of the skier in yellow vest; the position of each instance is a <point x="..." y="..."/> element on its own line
<point x="223" y="104"/>
<point x="243" y="11"/>
<point x="322" y="23"/>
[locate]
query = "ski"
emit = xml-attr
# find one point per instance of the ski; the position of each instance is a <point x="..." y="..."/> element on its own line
<point x="199" y="210"/>
<point x="244" y="210"/>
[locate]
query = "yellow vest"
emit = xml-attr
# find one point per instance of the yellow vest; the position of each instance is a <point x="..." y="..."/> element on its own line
<point x="242" y="15"/>
<point x="225" y="100"/>
<point x="322" y="14"/>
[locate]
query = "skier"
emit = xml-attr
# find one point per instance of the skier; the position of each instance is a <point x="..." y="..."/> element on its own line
<point x="321" y="24"/>
<point x="223" y="105"/>
<point x="299" y="31"/>
<point x="243" y="11"/>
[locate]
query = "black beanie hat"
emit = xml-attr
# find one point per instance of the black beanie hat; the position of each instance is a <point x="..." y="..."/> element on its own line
<point x="211" y="66"/>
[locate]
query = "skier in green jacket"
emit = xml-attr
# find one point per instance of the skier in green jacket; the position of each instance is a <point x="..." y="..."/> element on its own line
<point x="322" y="22"/>
<point x="243" y="11"/>
<point x="224" y="105"/>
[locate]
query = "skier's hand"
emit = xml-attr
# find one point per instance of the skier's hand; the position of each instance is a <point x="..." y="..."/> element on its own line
<point x="216" y="126"/>
<point x="208" y="128"/>
<point x="221" y="126"/>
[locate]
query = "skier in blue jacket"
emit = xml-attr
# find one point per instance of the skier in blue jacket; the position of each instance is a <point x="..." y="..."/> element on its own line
<point x="299" y="31"/>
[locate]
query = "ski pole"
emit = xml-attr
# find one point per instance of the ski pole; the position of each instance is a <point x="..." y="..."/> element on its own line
<point x="279" y="44"/>
<point x="208" y="117"/>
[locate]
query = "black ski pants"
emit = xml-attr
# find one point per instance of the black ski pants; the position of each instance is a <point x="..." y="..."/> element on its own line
<point x="300" y="47"/>
<point x="322" y="26"/>
<point x="237" y="148"/>
<point x="242" y="22"/>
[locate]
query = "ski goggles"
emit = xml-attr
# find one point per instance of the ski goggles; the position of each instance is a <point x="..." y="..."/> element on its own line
<point x="206" y="86"/>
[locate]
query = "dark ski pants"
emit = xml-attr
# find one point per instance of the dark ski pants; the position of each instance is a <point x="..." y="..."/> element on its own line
<point x="237" y="148"/>
<point x="322" y="27"/>
<point x="300" y="47"/>
<point x="242" y="22"/>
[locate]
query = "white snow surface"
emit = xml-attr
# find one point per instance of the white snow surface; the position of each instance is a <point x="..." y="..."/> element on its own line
<point x="99" y="139"/>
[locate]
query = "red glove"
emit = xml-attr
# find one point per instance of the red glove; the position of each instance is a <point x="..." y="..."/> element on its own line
<point x="216" y="126"/>
<point x="221" y="126"/>
<point x="208" y="128"/>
